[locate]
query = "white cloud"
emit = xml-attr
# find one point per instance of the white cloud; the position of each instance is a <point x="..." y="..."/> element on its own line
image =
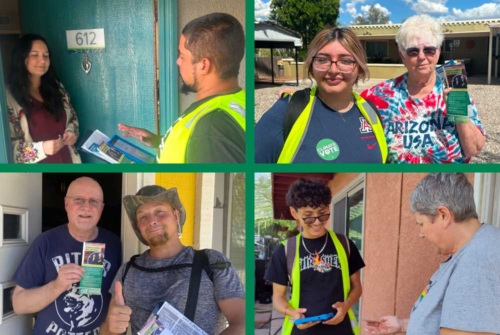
<point x="384" y="10"/>
<point x="351" y="9"/>
<point x="430" y="7"/>
<point x="446" y="18"/>
<point x="485" y="11"/>
<point x="262" y="10"/>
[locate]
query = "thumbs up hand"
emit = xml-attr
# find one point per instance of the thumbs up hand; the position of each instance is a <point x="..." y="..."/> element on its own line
<point x="119" y="313"/>
<point x="120" y="301"/>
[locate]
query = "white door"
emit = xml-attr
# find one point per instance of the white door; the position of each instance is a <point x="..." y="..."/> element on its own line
<point x="20" y="224"/>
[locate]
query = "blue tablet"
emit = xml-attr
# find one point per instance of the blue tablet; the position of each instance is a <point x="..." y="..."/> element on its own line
<point x="132" y="151"/>
<point x="322" y="317"/>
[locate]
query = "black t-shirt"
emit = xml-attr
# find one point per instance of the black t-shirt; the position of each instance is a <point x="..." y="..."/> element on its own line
<point x="216" y="138"/>
<point x="320" y="280"/>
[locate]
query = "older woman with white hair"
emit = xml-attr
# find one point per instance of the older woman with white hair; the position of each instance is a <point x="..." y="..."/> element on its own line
<point x="413" y="106"/>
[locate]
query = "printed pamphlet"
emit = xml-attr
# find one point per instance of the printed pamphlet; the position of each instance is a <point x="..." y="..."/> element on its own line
<point x="93" y="263"/>
<point x="112" y="150"/>
<point x="166" y="320"/>
<point x="92" y="144"/>
<point x="112" y="153"/>
<point x="453" y="75"/>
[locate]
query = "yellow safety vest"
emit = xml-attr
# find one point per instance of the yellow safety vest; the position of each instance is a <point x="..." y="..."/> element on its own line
<point x="295" y="280"/>
<point x="299" y="129"/>
<point x="174" y="144"/>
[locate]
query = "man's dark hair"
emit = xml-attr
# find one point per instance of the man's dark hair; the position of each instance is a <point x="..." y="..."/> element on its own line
<point x="218" y="37"/>
<point x="307" y="192"/>
<point x="19" y="80"/>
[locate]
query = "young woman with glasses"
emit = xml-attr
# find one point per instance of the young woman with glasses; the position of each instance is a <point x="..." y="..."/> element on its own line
<point x="331" y="123"/>
<point x="413" y="106"/>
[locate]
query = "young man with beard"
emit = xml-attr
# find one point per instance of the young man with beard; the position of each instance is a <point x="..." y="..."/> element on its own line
<point x="47" y="278"/>
<point x="321" y="267"/>
<point x="163" y="272"/>
<point x="212" y="129"/>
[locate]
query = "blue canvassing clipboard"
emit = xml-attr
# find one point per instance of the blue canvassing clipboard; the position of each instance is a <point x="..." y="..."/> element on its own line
<point x="132" y="151"/>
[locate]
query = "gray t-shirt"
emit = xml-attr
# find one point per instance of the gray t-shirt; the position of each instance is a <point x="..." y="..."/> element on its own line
<point x="464" y="293"/>
<point x="143" y="291"/>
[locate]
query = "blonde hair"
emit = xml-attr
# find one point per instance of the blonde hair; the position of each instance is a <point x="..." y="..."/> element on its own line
<point x="348" y="39"/>
<point x="417" y="26"/>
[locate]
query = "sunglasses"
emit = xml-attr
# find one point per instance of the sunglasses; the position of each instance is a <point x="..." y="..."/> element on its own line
<point x="311" y="219"/>
<point x="414" y="52"/>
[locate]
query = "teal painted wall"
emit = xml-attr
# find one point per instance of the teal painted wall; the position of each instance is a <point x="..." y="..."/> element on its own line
<point x="5" y="148"/>
<point x="120" y="85"/>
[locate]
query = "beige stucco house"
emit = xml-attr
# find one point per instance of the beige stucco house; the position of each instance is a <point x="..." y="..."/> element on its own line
<point x="475" y="42"/>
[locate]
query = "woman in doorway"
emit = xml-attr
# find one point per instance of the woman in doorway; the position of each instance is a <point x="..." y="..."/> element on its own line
<point x="329" y="122"/>
<point x="43" y="124"/>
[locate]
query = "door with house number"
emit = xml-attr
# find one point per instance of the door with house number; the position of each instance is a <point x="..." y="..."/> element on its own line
<point x="107" y="86"/>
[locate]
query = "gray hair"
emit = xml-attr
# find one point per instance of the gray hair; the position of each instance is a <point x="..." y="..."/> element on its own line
<point x="416" y="26"/>
<point x="451" y="190"/>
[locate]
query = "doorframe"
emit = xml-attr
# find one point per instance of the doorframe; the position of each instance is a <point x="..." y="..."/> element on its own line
<point x="5" y="151"/>
<point x="131" y="183"/>
<point x="168" y="86"/>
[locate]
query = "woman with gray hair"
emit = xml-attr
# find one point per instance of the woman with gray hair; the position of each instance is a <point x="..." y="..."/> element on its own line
<point x="461" y="297"/>
<point x="413" y="106"/>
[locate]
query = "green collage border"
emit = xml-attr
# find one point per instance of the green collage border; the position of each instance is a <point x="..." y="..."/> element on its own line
<point x="249" y="168"/>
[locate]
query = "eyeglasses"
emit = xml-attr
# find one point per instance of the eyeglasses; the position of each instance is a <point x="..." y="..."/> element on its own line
<point x="414" y="52"/>
<point x="82" y="201"/>
<point x="311" y="219"/>
<point x="344" y="65"/>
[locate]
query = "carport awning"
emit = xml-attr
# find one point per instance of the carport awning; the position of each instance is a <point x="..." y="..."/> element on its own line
<point x="280" y="184"/>
<point x="271" y="35"/>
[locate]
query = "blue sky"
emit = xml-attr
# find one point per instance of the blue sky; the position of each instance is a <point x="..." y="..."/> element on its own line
<point x="398" y="10"/>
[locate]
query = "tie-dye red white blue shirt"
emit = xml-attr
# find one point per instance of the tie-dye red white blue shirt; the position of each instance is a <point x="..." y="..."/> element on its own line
<point x="418" y="130"/>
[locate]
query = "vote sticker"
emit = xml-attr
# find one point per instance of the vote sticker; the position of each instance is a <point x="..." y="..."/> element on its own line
<point x="328" y="149"/>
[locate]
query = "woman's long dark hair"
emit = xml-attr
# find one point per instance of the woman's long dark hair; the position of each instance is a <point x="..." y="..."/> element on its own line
<point x="19" y="80"/>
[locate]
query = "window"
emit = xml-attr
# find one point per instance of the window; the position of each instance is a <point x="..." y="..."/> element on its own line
<point x="486" y="195"/>
<point x="6" y="307"/>
<point x="376" y="51"/>
<point x="13" y="226"/>
<point x="348" y="211"/>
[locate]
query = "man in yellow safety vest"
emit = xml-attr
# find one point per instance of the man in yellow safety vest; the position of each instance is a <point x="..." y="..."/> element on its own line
<point x="212" y="129"/>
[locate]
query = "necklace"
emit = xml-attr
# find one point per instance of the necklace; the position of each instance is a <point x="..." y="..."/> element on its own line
<point x="343" y="110"/>
<point x="338" y="109"/>
<point x="323" y="248"/>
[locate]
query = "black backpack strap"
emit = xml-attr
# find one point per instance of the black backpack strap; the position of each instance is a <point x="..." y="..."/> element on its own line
<point x="127" y="267"/>
<point x="344" y="240"/>
<point x="200" y="262"/>
<point x="296" y="104"/>
<point x="290" y="249"/>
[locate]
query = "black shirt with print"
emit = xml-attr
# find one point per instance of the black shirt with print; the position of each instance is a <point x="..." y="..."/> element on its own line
<point x="320" y="281"/>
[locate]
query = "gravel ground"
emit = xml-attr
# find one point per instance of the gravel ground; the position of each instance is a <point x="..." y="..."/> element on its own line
<point x="486" y="97"/>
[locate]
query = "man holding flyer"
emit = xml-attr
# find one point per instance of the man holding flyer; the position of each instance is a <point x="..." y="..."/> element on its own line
<point x="212" y="129"/>
<point x="165" y="273"/>
<point x="48" y="276"/>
